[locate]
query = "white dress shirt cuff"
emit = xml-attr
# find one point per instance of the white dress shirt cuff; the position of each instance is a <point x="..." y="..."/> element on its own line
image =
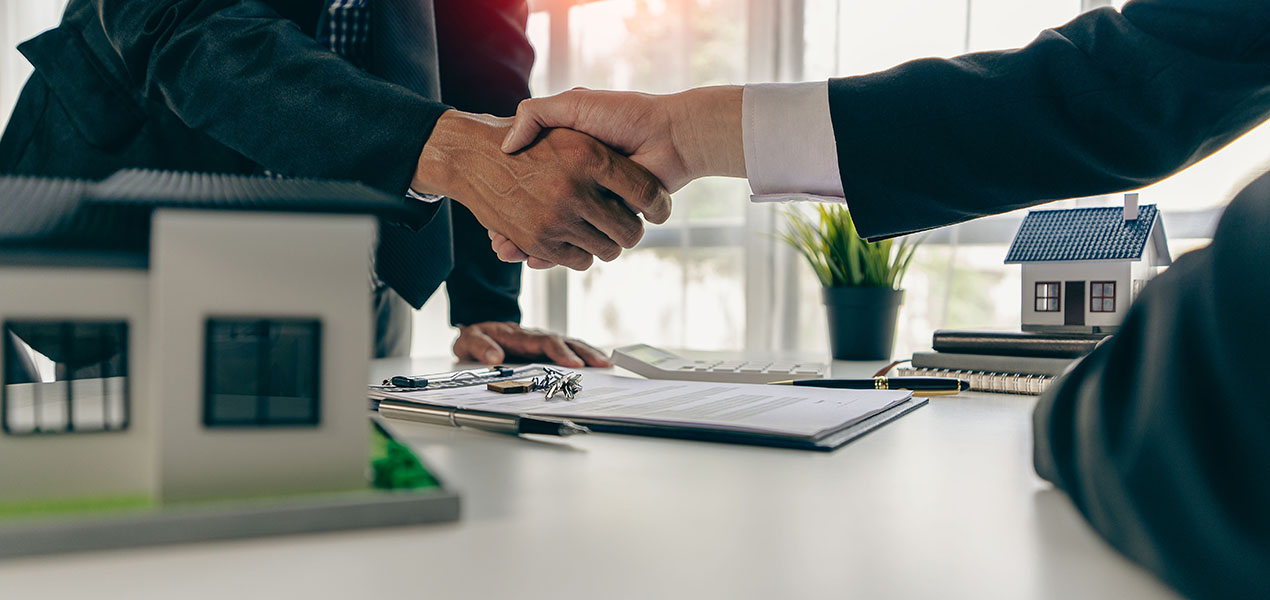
<point x="790" y="151"/>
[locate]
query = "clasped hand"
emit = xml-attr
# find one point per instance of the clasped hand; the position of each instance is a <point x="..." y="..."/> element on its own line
<point x="677" y="138"/>
<point x="566" y="199"/>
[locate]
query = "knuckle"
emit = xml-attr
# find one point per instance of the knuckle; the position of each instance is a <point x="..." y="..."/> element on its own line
<point x="588" y="153"/>
<point x="610" y="254"/>
<point x="630" y="233"/>
<point x="603" y="161"/>
<point x="552" y="230"/>
<point x="562" y="189"/>
<point x="539" y="248"/>
<point x="650" y="194"/>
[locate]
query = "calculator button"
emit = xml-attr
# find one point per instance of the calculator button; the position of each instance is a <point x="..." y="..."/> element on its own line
<point x="804" y="370"/>
<point x="753" y="368"/>
<point x="729" y="365"/>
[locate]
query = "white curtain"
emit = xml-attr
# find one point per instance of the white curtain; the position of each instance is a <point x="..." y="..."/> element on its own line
<point x="20" y="20"/>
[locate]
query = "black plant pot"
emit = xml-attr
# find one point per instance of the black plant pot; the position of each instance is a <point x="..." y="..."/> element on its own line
<point x="862" y="321"/>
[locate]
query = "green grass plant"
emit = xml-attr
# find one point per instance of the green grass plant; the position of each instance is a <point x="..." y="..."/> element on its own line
<point x="839" y="256"/>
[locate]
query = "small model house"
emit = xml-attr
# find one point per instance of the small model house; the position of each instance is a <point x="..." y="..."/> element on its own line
<point x="184" y="336"/>
<point x="1083" y="267"/>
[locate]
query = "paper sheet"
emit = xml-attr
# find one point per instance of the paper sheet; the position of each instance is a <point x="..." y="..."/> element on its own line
<point x="773" y="409"/>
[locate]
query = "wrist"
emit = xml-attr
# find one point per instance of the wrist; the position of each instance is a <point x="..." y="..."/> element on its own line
<point x="433" y="173"/>
<point x="706" y="130"/>
<point x="456" y="137"/>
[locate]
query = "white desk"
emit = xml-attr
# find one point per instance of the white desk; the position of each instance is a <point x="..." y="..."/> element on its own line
<point x="942" y="503"/>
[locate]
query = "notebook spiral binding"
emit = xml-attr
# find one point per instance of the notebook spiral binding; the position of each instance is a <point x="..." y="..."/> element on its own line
<point x="981" y="381"/>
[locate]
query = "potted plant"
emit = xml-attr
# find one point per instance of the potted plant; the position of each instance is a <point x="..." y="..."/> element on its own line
<point x="861" y="280"/>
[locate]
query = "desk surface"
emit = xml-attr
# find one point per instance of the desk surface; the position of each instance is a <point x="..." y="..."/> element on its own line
<point x="942" y="503"/>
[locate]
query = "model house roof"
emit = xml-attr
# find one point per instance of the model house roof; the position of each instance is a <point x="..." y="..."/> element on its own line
<point x="114" y="215"/>
<point x="1099" y="233"/>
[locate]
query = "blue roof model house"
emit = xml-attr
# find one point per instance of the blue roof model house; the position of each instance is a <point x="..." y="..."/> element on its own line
<point x="1083" y="267"/>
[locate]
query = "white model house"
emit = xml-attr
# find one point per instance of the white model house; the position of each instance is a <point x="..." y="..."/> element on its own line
<point x="180" y="336"/>
<point x="1083" y="267"/>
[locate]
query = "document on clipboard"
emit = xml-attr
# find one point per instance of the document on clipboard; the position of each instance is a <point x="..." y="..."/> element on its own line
<point x="796" y="417"/>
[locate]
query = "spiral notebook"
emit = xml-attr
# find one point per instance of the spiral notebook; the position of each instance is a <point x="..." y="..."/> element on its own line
<point x="985" y="381"/>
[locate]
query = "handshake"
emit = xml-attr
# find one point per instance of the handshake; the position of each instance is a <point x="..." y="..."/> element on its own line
<point x="568" y="178"/>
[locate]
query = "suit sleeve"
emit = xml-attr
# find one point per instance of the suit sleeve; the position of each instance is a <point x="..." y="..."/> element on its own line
<point x="252" y="80"/>
<point x="1161" y="436"/>
<point x="485" y="62"/>
<point x="1108" y="102"/>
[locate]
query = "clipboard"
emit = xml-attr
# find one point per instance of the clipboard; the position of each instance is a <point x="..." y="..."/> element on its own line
<point x="826" y="443"/>
<point x="618" y="410"/>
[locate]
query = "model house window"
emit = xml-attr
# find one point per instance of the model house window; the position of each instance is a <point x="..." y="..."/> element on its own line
<point x="1102" y="296"/>
<point x="262" y="373"/>
<point x="64" y="377"/>
<point x="1047" y="296"/>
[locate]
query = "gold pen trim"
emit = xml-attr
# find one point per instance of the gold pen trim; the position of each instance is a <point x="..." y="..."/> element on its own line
<point x="926" y="393"/>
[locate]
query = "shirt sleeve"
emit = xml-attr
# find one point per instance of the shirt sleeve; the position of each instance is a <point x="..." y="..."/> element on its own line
<point x="790" y="151"/>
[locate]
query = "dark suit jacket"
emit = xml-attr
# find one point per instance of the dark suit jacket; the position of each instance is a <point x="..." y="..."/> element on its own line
<point x="1161" y="436"/>
<point x="236" y="85"/>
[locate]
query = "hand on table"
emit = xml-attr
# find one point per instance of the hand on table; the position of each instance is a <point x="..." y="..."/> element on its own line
<point x="566" y="199"/>
<point x="677" y="137"/>
<point x="493" y="343"/>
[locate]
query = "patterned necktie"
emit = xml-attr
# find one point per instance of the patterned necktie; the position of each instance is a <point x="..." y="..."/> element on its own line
<point x="396" y="40"/>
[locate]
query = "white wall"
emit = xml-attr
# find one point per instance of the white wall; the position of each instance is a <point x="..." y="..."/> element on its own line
<point x="68" y="465"/>
<point x="1143" y="270"/>
<point x="1117" y="271"/>
<point x="260" y="265"/>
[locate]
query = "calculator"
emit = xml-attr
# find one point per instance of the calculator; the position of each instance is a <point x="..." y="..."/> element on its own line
<point x="655" y="363"/>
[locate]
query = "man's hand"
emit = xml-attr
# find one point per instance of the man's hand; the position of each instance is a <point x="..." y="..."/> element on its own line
<point x="566" y="199"/>
<point x="493" y="343"/>
<point x="678" y="137"/>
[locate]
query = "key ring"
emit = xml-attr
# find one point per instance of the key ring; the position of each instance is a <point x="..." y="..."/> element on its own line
<point x="556" y="382"/>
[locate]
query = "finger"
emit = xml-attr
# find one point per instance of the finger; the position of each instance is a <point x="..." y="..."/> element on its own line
<point x="508" y="251"/>
<point x="640" y="189"/>
<point x="565" y="255"/>
<point x="539" y="264"/>
<point x="511" y="248"/>
<point x="474" y="345"/>
<point x="614" y="219"/>
<point x="590" y="239"/>
<point x="593" y="357"/>
<point x="536" y="114"/>
<point x="559" y="352"/>
<point x="516" y="341"/>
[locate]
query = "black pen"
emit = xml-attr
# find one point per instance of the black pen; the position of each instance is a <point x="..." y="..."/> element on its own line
<point x="920" y="386"/>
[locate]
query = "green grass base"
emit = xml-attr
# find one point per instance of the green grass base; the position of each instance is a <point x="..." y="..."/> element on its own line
<point x="75" y="506"/>
<point x="393" y="467"/>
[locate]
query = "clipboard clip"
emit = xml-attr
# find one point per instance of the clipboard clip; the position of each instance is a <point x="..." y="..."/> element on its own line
<point x="477" y="375"/>
<point x="552" y="381"/>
